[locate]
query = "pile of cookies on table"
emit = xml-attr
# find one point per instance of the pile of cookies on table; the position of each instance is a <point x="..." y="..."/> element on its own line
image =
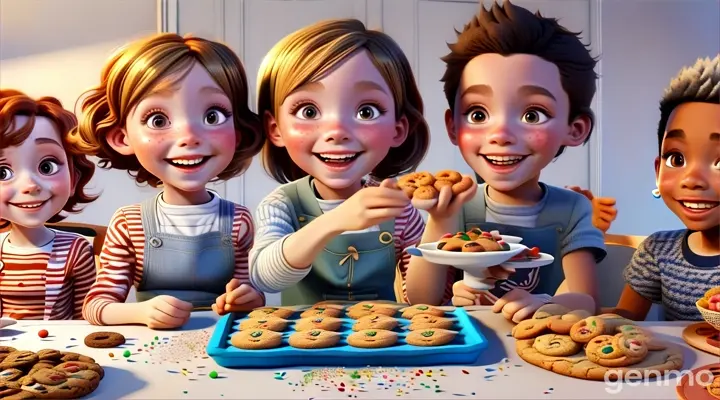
<point x="46" y="374"/>
<point x="576" y="344"/>
<point x="362" y="325"/>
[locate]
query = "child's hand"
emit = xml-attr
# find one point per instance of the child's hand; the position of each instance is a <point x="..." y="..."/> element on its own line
<point x="518" y="305"/>
<point x="448" y="205"/>
<point x="371" y="206"/>
<point x="466" y="296"/>
<point x="604" y="211"/>
<point x="237" y="297"/>
<point x="166" y="312"/>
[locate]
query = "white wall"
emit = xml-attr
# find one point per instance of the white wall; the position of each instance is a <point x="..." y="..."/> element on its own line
<point x="58" y="47"/>
<point x="644" y="45"/>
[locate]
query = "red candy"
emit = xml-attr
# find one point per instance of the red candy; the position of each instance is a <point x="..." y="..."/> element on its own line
<point x="486" y="234"/>
<point x="43" y="333"/>
<point x="447" y="235"/>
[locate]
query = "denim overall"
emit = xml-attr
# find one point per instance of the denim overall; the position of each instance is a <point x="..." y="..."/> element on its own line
<point x="547" y="235"/>
<point x="191" y="268"/>
<point x="352" y="267"/>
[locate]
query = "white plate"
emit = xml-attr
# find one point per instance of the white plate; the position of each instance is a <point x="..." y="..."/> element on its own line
<point x="4" y="322"/>
<point x="511" y="239"/>
<point x="545" y="259"/>
<point x="465" y="261"/>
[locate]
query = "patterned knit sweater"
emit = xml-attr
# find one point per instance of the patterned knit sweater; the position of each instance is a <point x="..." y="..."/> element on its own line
<point x="664" y="270"/>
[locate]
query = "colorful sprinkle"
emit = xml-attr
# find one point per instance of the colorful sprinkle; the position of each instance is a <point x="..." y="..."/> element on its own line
<point x="43" y="333"/>
<point x="213" y="375"/>
<point x="465" y="372"/>
<point x="111" y="355"/>
<point x="127" y="353"/>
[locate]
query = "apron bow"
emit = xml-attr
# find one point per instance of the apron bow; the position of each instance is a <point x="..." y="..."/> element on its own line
<point x="352" y="252"/>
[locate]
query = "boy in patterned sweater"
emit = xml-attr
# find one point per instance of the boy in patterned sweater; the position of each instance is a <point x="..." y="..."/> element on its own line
<point x="675" y="268"/>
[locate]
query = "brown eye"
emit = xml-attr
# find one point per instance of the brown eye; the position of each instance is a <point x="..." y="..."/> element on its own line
<point x="157" y="121"/>
<point x="534" y="117"/>
<point x="368" y="112"/>
<point x="48" y="167"/>
<point x="675" y="160"/>
<point x="307" y="112"/>
<point x="477" y="116"/>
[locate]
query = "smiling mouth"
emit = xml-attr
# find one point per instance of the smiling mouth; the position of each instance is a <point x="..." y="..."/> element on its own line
<point x="30" y="206"/>
<point x="698" y="206"/>
<point x="503" y="161"/>
<point x="337" y="159"/>
<point x="187" y="163"/>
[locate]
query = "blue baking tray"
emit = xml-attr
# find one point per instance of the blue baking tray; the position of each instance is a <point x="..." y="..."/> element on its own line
<point x="464" y="349"/>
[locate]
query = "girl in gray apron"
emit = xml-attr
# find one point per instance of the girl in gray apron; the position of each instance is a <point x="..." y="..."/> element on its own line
<point x="357" y="265"/>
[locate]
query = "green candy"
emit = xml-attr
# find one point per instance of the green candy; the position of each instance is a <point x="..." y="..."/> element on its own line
<point x="428" y="333"/>
<point x="213" y="375"/>
<point x="256" y="334"/>
<point x="465" y="237"/>
<point x="370" y="333"/>
<point x="127" y="353"/>
<point x="607" y="349"/>
<point x="367" y="306"/>
<point x="314" y="333"/>
<point x="422" y="308"/>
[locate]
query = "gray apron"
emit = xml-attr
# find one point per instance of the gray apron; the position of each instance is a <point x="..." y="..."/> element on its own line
<point x="546" y="235"/>
<point x="352" y="266"/>
<point x="191" y="268"/>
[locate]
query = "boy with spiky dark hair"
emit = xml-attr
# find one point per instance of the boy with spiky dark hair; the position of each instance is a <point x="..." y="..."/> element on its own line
<point x="519" y="88"/>
<point x="677" y="268"/>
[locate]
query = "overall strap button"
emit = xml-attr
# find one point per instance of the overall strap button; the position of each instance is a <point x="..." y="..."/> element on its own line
<point x="155" y="242"/>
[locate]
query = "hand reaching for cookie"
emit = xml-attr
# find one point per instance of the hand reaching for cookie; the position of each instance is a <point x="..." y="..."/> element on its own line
<point x="371" y="206"/>
<point x="518" y="305"/>
<point x="449" y="203"/>
<point x="237" y="297"/>
<point x="604" y="211"/>
<point x="166" y="312"/>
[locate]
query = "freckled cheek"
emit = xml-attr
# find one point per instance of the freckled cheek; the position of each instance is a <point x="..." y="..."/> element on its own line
<point x="376" y="133"/>
<point x="299" y="137"/>
<point x="223" y="139"/>
<point x="539" y="139"/>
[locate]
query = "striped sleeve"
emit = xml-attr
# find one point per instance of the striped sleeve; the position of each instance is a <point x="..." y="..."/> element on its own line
<point x="412" y="226"/>
<point x="243" y="230"/>
<point x="643" y="272"/>
<point x="269" y="270"/>
<point x="82" y="271"/>
<point x="117" y="269"/>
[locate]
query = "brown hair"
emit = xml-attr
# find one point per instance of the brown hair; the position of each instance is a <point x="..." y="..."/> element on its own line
<point x="308" y="54"/>
<point x="509" y="29"/>
<point x="699" y="83"/>
<point x="14" y="103"/>
<point x="138" y="68"/>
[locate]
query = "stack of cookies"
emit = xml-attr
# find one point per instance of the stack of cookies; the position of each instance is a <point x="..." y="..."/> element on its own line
<point x="601" y="347"/>
<point x="362" y="325"/>
<point x="47" y="374"/>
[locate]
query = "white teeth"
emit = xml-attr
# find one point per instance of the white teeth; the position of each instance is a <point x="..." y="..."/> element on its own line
<point x="187" y="162"/>
<point x="699" y="206"/>
<point x="338" y="156"/>
<point x="504" y="160"/>
<point x="34" y="205"/>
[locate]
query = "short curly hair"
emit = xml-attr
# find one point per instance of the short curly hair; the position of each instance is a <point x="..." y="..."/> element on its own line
<point x="699" y="83"/>
<point x="15" y="103"/>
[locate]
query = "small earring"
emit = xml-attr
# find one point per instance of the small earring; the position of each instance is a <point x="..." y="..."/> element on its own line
<point x="656" y="193"/>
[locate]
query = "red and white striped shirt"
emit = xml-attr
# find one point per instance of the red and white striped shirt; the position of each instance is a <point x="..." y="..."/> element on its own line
<point x="47" y="283"/>
<point x="121" y="259"/>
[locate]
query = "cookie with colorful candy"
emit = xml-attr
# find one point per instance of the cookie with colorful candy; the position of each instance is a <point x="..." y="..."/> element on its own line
<point x="474" y="241"/>
<point x="614" y="347"/>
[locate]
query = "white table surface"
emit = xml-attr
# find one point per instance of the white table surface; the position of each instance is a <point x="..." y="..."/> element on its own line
<point x="156" y="370"/>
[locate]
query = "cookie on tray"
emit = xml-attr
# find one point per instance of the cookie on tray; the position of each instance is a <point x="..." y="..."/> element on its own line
<point x="430" y="337"/>
<point x="428" y="321"/>
<point x="372" y="338"/>
<point x="368" y="307"/>
<point x="314" y="339"/>
<point x="268" y="322"/>
<point x="318" y="322"/>
<point x="323" y="310"/>
<point x="412" y="311"/>
<point x="375" y="321"/>
<point x="256" y="339"/>
<point x="261" y="312"/>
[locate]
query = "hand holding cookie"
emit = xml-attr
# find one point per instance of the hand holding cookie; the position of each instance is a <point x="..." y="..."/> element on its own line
<point x="371" y="206"/>
<point x="166" y="312"/>
<point x="441" y="194"/>
<point x="237" y="297"/>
